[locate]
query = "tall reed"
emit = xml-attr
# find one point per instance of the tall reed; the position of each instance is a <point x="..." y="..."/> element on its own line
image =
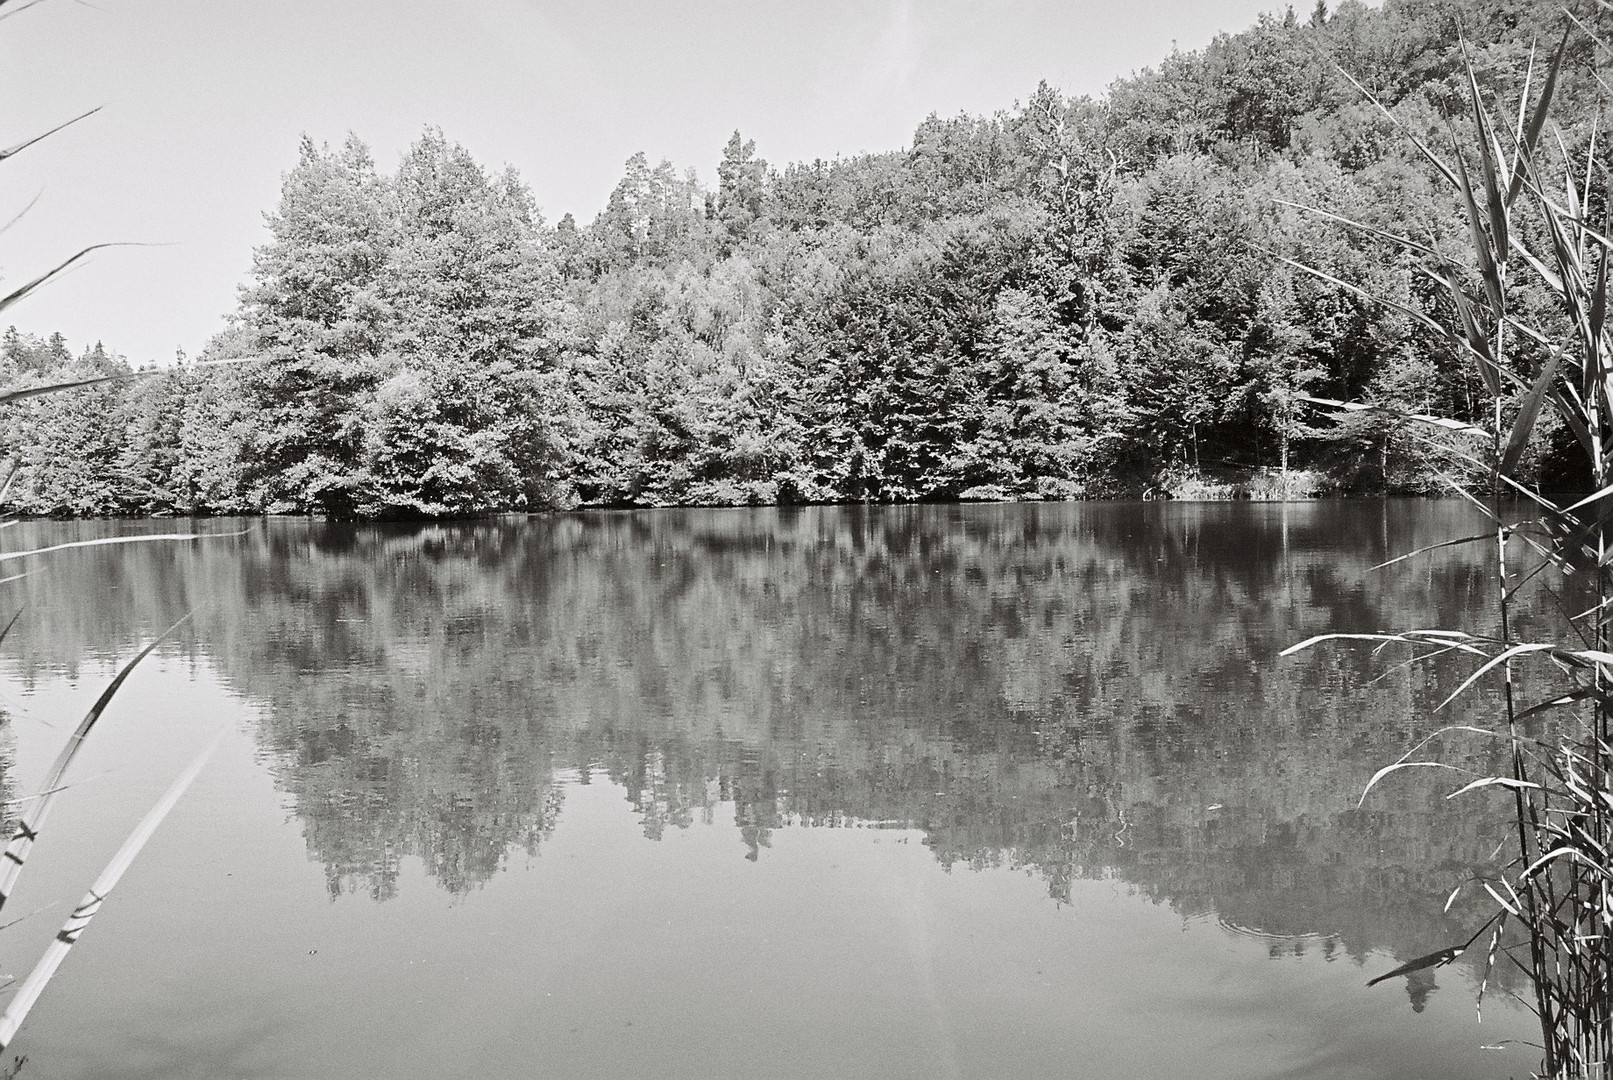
<point x="26" y="832"/>
<point x="1530" y="209"/>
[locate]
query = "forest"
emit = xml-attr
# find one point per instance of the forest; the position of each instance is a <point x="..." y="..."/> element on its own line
<point x="1073" y="297"/>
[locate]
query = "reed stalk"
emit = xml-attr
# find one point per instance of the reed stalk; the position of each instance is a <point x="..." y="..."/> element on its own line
<point x="1552" y="914"/>
<point x="27" y="830"/>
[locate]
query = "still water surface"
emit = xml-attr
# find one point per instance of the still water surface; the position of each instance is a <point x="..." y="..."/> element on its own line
<point x="908" y="792"/>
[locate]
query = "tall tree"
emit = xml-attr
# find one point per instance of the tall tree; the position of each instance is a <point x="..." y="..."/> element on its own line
<point x="319" y="319"/>
<point x="741" y="192"/>
<point x="466" y="419"/>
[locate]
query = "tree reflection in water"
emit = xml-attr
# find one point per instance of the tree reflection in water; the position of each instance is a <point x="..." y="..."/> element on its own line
<point x="1075" y="690"/>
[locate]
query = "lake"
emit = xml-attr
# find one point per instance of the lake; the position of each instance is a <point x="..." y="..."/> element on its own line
<point x="933" y="791"/>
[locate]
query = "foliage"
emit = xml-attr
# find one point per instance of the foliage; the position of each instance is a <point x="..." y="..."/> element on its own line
<point x="1072" y="296"/>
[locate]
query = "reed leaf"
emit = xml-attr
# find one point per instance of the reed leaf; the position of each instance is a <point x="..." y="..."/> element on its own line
<point x="1530" y="134"/>
<point x="1482" y="243"/>
<point x="1566" y="851"/>
<point x="1489" y="963"/>
<point x="1528" y="413"/>
<point x="1597" y="657"/>
<point x="1432" y="547"/>
<point x="1459" y="426"/>
<point x="1598" y="306"/>
<point x="122" y="376"/>
<point x="1396" y="767"/>
<point x="1494" y="781"/>
<point x="10" y="624"/>
<point x="19" y="9"/>
<point x="20" y="214"/>
<point x="1506" y="905"/>
<point x="109" y="540"/>
<point x="1453" y="640"/>
<point x="1392" y="238"/>
<point x="1495" y="179"/>
<point x="1405" y="759"/>
<point x="29" y="286"/>
<point x="27" y="831"/>
<point x="1434" y="959"/>
<point x="26" y="143"/>
<point x="17" y="1010"/>
<point x="1459" y="489"/>
<point x="1437" y="958"/>
<point x="1573" y="698"/>
<point x="1432" y="158"/>
<point x="1595" y="496"/>
<point x="1405" y="309"/>
<point x="55" y="388"/>
<point x="1473" y="335"/>
<point x="1546" y="273"/>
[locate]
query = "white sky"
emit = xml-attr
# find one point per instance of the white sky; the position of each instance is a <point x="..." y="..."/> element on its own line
<point x="205" y="100"/>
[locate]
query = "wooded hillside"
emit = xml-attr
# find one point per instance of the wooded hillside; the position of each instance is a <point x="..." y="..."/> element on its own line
<point x="1068" y="298"/>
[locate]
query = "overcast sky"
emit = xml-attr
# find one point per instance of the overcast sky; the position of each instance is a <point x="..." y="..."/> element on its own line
<point x="205" y="100"/>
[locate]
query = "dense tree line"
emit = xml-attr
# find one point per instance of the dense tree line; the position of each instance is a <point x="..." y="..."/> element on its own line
<point x="1072" y="297"/>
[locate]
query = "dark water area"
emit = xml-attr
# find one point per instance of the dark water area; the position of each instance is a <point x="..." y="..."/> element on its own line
<point x="906" y="791"/>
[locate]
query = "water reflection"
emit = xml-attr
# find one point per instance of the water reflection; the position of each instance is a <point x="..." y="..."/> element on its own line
<point x="1079" y="692"/>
